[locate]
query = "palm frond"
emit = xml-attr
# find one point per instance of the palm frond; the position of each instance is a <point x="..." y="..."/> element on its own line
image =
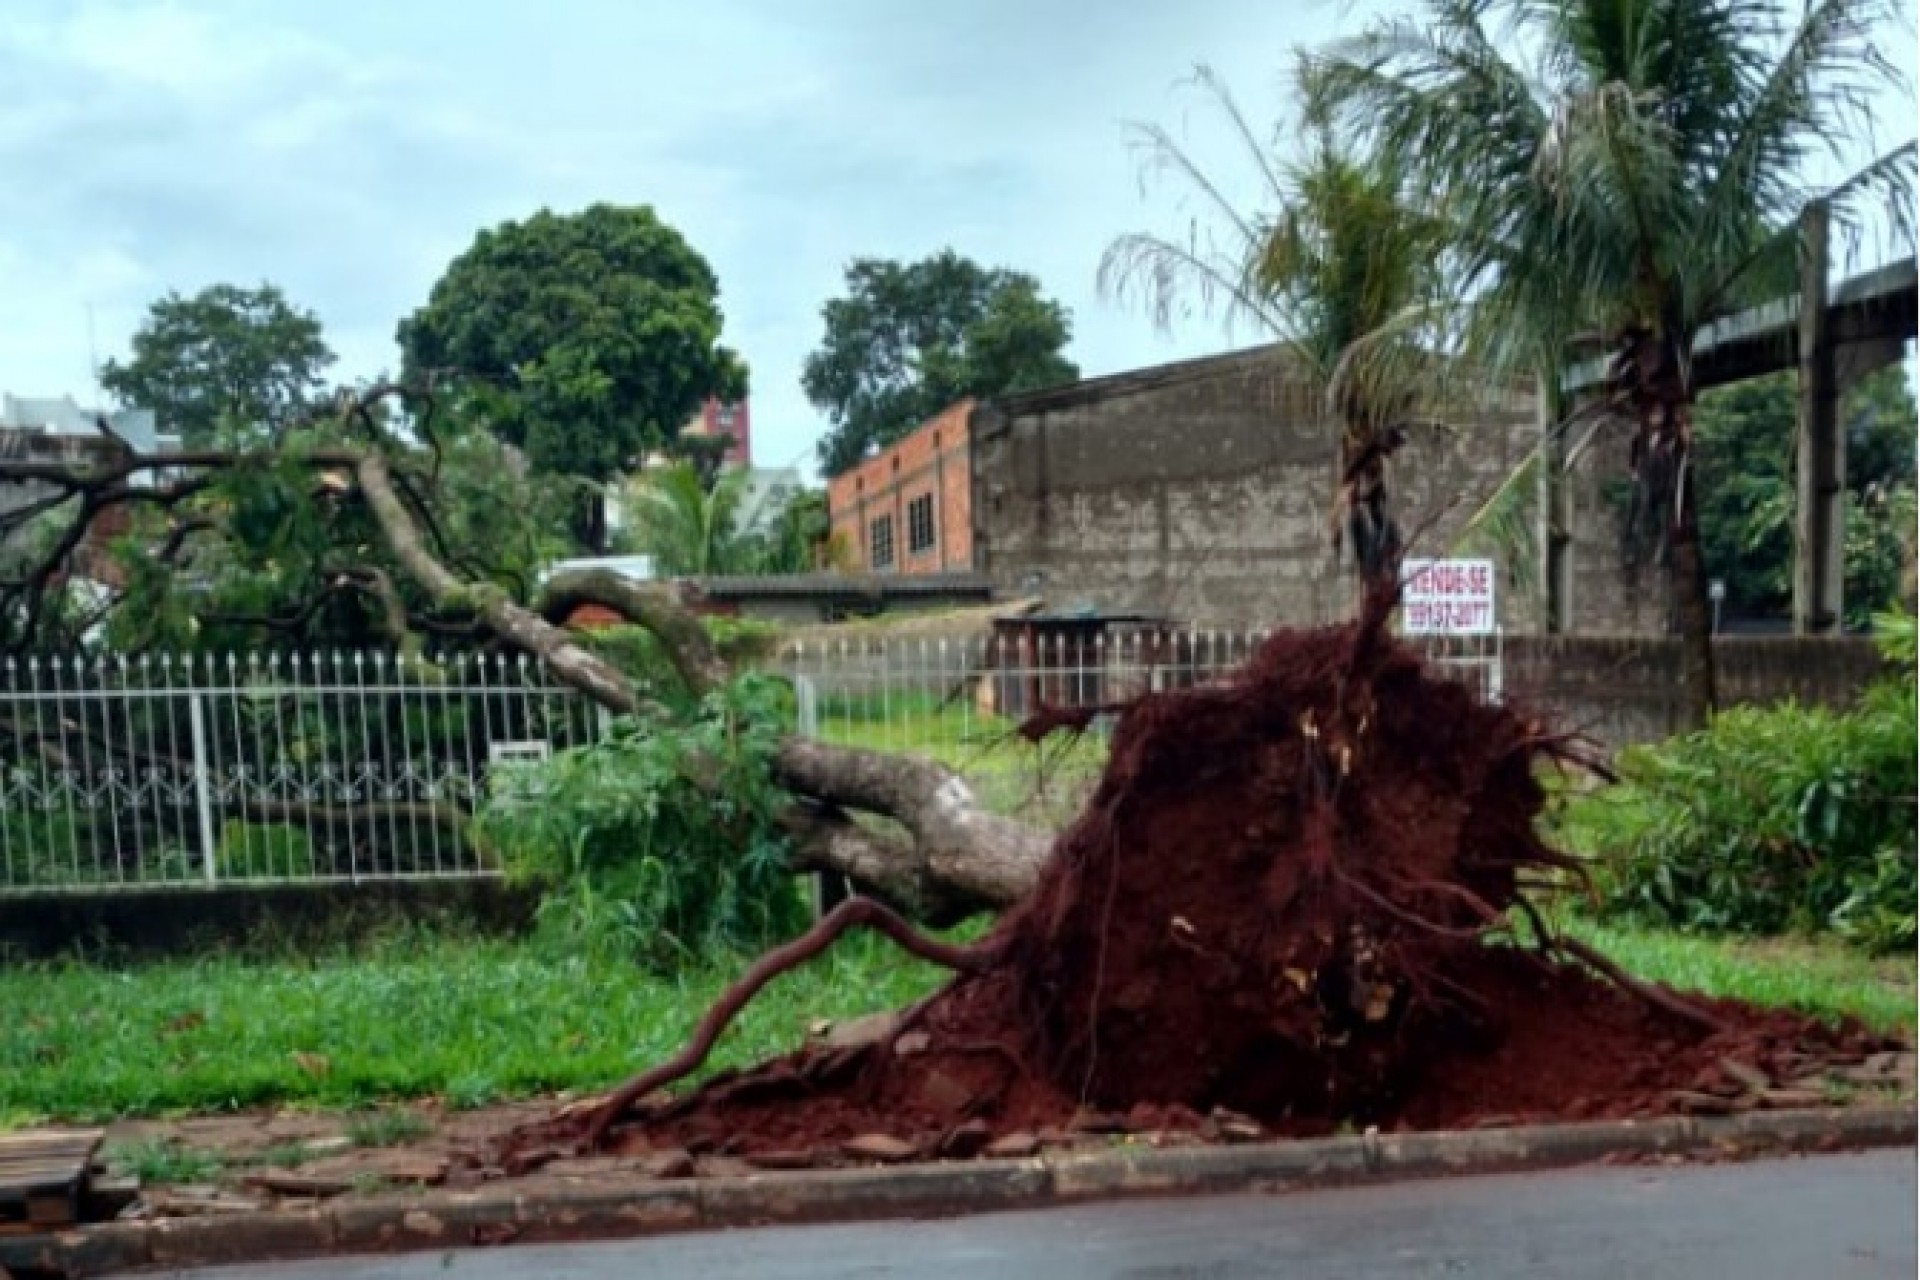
<point x="1504" y="526"/>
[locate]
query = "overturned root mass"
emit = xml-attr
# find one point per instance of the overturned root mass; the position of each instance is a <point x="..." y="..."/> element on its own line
<point x="1286" y="899"/>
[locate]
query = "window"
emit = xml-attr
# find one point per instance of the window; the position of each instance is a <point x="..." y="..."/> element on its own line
<point x="880" y="543"/>
<point x="723" y="417"/>
<point x="920" y="524"/>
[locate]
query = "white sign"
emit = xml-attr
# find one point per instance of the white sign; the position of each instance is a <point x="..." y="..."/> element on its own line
<point x="1447" y="598"/>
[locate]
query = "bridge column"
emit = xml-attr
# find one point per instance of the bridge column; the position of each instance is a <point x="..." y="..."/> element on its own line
<point x="1820" y="470"/>
<point x="1555" y="515"/>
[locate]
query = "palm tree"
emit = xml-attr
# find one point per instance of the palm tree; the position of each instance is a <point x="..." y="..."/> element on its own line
<point x="689" y="528"/>
<point x="1640" y="172"/>
<point x="1338" y="267"/>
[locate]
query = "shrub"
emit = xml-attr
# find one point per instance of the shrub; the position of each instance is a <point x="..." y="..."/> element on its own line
<point x="1771" y="819"/>
<point x="634" y="853"/>
<point x="252" y="851"/>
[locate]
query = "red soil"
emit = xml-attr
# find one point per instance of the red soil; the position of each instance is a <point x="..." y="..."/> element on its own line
<point x="1279" y="902"/>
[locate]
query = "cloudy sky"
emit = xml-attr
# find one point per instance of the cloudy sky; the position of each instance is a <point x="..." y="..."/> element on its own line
<point x="347" y="149"/>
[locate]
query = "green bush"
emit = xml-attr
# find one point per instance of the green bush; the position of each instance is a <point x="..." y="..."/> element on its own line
<point x="1772" y="819"/>
<point x="251" y="851"/>
<point x="635" y="854"/>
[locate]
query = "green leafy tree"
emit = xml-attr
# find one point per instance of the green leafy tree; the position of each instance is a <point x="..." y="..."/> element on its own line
<point x="909" y="339"/>
<point x="800" y="540"/>
<point x="1338" y="265"/>
<point x="272" y="556"/>
<point x="584" y="340"/>
<point x="243" y="358"/>
<point x="689" y="526"/>
<point x="1636" y="166"/>
<point x="1744" y="438"/>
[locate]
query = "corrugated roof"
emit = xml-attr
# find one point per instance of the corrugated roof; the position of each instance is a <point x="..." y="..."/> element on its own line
<point x="862" y="585"/>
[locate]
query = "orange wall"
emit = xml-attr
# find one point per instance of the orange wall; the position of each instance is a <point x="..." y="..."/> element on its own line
<point x="931" y="460"/>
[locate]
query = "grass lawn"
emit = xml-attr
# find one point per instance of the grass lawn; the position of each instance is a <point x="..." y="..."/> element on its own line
<point x="477" y="1022"/>
<point x="1814" y="975"/>
<point x="473" y="1022"/>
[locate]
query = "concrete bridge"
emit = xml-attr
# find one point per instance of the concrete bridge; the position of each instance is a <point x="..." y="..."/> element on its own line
<point x="1864" y="326"/>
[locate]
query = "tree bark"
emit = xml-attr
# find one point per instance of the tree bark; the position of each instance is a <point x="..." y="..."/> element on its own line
<point x="959" y="857"/>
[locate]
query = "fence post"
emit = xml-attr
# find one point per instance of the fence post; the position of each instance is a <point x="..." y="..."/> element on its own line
<point x="202" y="782"/>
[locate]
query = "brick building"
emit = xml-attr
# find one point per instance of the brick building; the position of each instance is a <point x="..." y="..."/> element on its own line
<point x="732" y="420"/>
<point x="909" y="509"/>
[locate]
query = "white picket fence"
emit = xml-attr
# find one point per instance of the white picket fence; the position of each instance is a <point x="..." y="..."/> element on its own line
<point x="203" y="770"/>
<point x="356" y="766"/>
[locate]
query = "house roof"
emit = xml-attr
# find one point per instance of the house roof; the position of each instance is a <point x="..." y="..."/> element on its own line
<point x="1090" y="390"/>
<point x="857" y="586"/>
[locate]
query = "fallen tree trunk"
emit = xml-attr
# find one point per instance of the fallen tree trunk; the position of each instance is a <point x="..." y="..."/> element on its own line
<point x="955" y="856"/>
<point x="907" y="831"/>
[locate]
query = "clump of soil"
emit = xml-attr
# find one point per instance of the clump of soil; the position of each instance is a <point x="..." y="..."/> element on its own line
<point x="1286" y="901"/>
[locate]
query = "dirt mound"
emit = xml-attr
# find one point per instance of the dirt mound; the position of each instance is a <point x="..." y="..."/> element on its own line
<point x="1285" y="901"/>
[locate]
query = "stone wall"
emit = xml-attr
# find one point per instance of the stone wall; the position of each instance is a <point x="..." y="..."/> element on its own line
<point x="1200" y="491"/>
<point x="1624" y="690"/>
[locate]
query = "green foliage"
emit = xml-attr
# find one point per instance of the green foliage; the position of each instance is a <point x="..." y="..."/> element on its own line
<point x="636" y="856"/>
<point x="802" y="535"/>
<point x="909" y="339"/>
<point x="425" y="1017"/>
<point x="690" y="526"/>
<point x="585" y="340"/>
<point x="1744" y="436"/>
<point x="263" y="851"/>
<point x="638" y="653"/>
<point x="268" y="572"/>
<point x="1822" y="977"/>
<point x="1618" y="165"/>
<point x="472" y="1021"/>
<point x="160" y="1162"/>
<point x="227" y="361"/>
<point x="1771" y="819"/>
<point x="386" y="1128"/>
<point x="1335" y="262"/>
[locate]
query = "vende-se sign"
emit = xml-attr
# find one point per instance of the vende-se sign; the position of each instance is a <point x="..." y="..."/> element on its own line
<point x="1447" y="597"/>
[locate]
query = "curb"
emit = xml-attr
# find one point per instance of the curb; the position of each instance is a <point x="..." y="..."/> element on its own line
<point x="611" y="1208"/>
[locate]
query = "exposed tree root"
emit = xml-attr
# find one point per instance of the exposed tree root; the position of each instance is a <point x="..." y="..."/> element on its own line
<point x="855" y="911"/>
<point x="1655" y="996"/>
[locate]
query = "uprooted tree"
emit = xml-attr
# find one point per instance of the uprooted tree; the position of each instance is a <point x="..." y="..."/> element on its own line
<point x="357" y="527"/>
<point x="1279" y="900"/>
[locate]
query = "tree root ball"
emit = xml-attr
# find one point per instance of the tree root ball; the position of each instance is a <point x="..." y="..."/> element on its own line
<point x="1289" y="898"/>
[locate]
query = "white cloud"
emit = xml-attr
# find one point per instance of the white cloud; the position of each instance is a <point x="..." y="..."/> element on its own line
<point x="347" y="150"/>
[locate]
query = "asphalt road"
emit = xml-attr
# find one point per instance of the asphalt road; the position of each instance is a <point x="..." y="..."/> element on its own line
<point x="1832" y="1217"/>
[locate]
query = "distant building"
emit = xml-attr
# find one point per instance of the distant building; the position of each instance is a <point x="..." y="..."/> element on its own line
<point x="734" y="421"/>
<point x="909" y="508"/>
<point x="60" y="430"/>
<point x="768" y="491"/>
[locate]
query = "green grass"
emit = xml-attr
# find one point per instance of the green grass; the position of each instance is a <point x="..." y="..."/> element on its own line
<point x="1043" y="784"/>
<point x="473" y="1020"/>
<point x="1818" y="976"/>
<point x="157" y="1161"/>
<point x="386" y="1128"/>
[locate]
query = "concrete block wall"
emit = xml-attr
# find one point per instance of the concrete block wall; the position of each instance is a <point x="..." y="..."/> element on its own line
<point x="1624" y="690"/>
<point x="1201" y="491"/>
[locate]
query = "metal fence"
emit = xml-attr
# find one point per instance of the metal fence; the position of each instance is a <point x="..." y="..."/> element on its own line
<point x="358" y="766"/>
<point x="963" y="700"/>
<point x="341" y="766"/>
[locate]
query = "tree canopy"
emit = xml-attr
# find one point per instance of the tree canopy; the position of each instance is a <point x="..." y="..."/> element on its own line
<point x="1745" y="437"/>
<point x="1339" y="265"/>
<point x="243" y="359"/>
<point x="909" y="339"/>
<point x="1628" y="168"/>
<point x="585" y="340"/>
